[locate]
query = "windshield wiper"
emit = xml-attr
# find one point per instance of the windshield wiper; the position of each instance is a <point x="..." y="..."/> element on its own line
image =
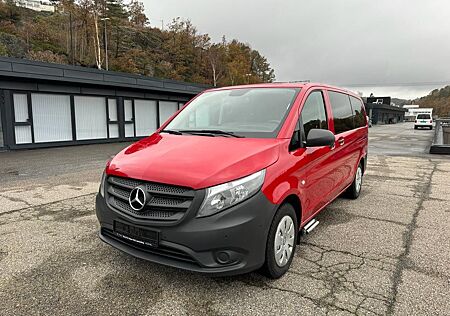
<point x="171" y="131"/>
<point x="210" y="131"/>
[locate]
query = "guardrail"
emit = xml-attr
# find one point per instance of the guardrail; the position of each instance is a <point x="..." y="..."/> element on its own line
<point x="441" y="140"/>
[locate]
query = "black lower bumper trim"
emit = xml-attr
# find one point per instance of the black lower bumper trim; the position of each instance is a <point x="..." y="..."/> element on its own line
<point x="160" y="251"/>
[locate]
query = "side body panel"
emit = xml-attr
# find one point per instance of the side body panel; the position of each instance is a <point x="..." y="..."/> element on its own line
<point x="326" y="172"/>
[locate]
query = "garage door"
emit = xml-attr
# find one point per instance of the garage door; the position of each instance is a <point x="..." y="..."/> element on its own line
<point x="51" y="117"/>
<point x="90" y="117"/>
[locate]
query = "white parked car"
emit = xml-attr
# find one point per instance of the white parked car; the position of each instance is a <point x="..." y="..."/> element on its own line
<point x="423" y="120"/>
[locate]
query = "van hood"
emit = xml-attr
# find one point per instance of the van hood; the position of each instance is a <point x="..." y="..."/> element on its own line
<point x="194" y="161"/>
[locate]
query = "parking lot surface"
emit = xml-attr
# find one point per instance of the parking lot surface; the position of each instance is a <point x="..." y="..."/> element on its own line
<point x="386" y="253"/>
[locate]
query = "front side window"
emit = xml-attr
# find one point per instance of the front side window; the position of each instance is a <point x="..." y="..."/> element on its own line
<point x="252" y="112"/>
<point x="342" y="112"/>
<point x="314" y="113"/>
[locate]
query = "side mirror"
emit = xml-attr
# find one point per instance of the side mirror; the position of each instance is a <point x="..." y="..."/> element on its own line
<point x="320" y="137"/>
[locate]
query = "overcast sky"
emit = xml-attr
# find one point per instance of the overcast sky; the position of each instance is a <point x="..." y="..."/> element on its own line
<point x="342" y="42"/>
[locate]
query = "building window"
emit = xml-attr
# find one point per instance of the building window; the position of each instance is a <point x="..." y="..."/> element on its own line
<point x="22" y="121"/>
<point x="145" y="117"/>
<point x="113" y="122"/>
<point x="51" y="117"/>
<point x="1" y="130"/>
<point x="90" y="117"/>
<point x="129" y="118"/>
<point x="166" y="110"/>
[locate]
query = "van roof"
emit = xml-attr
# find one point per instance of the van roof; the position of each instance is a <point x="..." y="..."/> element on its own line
<point x="303" y="85"/>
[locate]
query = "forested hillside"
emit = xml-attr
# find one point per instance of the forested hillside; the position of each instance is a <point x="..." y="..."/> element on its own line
<point x="439" y="100"/>
<point x="75" y="33"/>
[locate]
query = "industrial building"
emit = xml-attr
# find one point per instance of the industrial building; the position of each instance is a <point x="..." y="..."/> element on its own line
<point x="380" y="111"/>
<point x="43" y="104"/>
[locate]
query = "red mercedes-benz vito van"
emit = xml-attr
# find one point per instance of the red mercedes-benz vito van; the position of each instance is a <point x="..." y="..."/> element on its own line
<point x="227" y="183"/>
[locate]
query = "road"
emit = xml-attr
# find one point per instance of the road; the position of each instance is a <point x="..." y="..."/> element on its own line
<point x="386" y="253"/>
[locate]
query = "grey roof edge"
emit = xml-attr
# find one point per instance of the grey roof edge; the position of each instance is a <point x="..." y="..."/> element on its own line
<point x="385" y="107"/>
<point x="93" y="76"/>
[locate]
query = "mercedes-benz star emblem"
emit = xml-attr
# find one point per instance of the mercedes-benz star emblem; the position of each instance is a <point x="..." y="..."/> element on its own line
<point x="137" y="199"/>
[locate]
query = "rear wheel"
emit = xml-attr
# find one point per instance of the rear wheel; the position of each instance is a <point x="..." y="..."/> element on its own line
<point x="415" y="127"/>
<point x="354" y="190"/>
<point x="281" y="242"/>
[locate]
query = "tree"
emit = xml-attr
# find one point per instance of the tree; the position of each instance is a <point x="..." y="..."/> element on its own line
<point x="216" y="57"/>
<point x="12" y="46"/>
<point x="75" y="30"/>
<point x="136" y="13"/>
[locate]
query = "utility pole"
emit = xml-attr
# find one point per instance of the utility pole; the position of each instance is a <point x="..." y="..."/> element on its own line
<point x="71" y="39"/>
<point x="106" y="44"/>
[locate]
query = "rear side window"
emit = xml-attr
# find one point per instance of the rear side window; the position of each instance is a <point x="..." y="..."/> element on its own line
<point x="423" y="116"/>
<point x="342" y="112"/>
<point x="358" y="109"/>
<point x="314" y="113"/>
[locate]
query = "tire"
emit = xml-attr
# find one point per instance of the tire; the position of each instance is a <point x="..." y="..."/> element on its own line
<point x="275" y="266"/>
<point x="415" y="127"/>
<point x="355" y="188"/>
<point x="431" y="127"/>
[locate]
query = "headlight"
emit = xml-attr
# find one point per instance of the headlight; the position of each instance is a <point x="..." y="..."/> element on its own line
<point x="102" y="184"/>
<point x="223" y="196"/>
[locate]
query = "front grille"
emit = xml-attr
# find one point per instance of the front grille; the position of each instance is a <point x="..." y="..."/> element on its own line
<point x="166" y="202"/>
<point x="160" y="250"/>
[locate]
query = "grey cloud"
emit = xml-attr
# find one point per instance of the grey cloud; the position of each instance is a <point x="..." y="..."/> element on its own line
<point x="340" y="42"/>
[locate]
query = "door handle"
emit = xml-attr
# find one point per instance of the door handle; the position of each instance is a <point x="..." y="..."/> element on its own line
<point x="341" y="141"/>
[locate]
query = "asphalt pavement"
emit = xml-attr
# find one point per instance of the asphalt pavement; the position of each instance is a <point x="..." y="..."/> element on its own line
<point x="386" y="253"/>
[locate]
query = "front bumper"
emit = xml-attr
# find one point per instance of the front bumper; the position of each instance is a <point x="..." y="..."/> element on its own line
<point x="227" y="243"/>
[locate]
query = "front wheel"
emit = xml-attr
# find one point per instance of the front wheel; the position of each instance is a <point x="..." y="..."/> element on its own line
<point x="281" y="242"/>
<point x="354" y="190"/>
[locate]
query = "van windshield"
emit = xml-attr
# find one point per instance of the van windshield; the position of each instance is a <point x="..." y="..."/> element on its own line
<point x="423" y="116"/>
<point x="251" y="112"/>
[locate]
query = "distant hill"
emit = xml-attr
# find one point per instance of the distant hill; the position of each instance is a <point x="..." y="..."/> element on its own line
<point x="400" y="102"/>
<point x="439" y="100"/>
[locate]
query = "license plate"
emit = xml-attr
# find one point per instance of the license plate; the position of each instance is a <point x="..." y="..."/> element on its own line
<point x="422" y="122"/>
<point x="135" y="234"/>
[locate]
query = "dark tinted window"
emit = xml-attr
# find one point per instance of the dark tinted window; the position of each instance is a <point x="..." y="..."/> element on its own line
<point x="359" y="111"/>
<point x="313" y="113"/>
<point x="423" y="116"/>
<point x="342" y="112"/>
